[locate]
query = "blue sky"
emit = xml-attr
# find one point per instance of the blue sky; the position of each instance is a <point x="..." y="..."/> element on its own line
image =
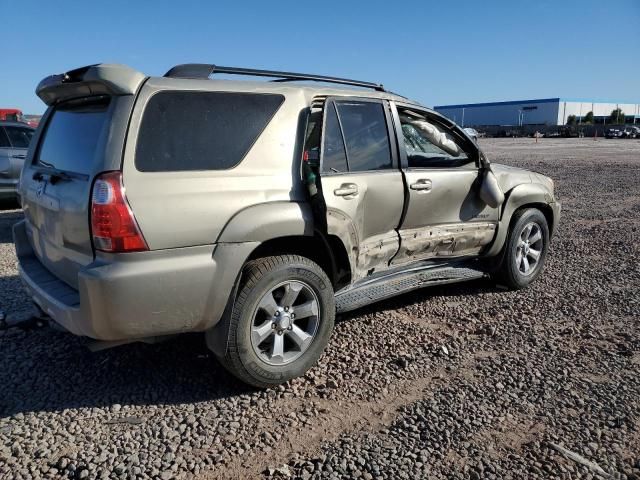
<point x="436" y="52"/>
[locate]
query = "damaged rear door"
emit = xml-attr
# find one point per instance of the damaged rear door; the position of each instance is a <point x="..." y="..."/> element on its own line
<point x="360" y="181"/>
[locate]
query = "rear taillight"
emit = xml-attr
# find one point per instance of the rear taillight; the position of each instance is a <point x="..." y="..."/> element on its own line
<point x="113" y="226"/>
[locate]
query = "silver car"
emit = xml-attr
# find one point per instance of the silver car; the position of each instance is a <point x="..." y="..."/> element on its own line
<point x="253" y="211"/>
<point x="472" y="132"/>
<point x="14" y="142"/>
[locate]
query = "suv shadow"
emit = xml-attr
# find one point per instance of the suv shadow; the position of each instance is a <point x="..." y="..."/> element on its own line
<point x="47" y="370"/>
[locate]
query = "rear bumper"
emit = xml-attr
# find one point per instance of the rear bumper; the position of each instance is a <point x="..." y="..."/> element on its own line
<point x="136" y="295"/>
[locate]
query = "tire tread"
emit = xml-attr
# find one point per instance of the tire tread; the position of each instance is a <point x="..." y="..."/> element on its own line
<point x="505" y="274"/>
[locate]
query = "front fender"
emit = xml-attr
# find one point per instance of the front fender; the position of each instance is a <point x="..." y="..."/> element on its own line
<point x="519" y="196"/>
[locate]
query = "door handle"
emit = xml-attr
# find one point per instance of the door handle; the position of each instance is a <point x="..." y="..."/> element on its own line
<point x="346" y="190"/>
<point x="19" y="156"/>
<point x="422" y="184"/>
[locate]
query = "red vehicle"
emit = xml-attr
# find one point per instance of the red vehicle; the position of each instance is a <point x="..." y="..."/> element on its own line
<point x="16" y="115"/>
<point x="11" y="114"/>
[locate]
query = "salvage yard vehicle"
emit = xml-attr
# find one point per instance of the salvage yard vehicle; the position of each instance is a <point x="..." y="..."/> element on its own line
<point x="472" y="132"/>
<point x="11" y="115"/>
<point x="253" y="211"/>
<point x="631" y="132"/>
<point x="614" y="133"/>
<point x="14" y="141"/>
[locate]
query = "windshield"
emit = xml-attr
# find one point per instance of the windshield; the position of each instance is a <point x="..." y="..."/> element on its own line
<point x="73" y="136"/>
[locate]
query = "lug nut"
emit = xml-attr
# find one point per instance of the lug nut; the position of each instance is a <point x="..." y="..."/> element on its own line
<point x="273" y="325"/>
<point x="277" y="313"/>
<point x="286" y="309"/>
<point x="293" y="316"/>
<point x="290" y="327"/>
<point x="280" y="332"/>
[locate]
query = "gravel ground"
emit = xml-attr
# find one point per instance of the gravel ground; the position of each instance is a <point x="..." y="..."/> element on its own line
<point x="468" y="381"/>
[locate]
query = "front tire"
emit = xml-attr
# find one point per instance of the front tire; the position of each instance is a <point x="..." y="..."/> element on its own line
<point x="281" y="320"/>
<point x="525" y="250"/>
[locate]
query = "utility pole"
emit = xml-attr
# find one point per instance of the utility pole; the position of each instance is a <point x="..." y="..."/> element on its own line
<point x="580" y="117"/>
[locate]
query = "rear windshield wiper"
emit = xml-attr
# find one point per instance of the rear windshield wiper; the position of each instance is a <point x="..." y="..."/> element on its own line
<point x="55" y="174"/>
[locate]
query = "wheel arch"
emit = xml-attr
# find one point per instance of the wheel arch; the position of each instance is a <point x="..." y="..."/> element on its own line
<point x="327" y="251"/>
<point x="265" y="221"/>
<point x="523" y="196"/>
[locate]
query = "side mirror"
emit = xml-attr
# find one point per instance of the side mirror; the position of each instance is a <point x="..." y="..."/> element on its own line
<point x="490" y="191"/>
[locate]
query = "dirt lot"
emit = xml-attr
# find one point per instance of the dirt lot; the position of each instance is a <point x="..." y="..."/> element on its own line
<point x="467" y="381"/>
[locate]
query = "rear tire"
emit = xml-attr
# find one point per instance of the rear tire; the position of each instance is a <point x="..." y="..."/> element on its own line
<point x="525" y="250"/>
<point x="281" y="320"/>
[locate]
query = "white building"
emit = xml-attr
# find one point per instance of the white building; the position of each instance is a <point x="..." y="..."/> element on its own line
<point x="545" y="111"/>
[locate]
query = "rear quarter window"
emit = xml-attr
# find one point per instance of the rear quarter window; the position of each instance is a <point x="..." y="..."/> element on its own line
<point x="201" y="130"/>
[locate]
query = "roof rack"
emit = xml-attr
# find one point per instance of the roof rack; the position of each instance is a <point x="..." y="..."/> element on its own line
<point x="202" y="70"/>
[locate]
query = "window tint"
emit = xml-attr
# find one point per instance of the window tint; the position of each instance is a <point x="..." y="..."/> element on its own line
<point x="4" y="140"/>
<point x="19" y="136"/>
<point x="312" y="136"/>
<point x="73" y="136"/>
<point x="201" y="130"/>
<point x="335" y="158"/>
<point x="366" y="136"/>
<point x="429" y="146"/>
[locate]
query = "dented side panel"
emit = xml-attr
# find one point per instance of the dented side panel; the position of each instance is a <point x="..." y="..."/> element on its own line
<point x="440" y="241"/>
<point x="366" y="221"/>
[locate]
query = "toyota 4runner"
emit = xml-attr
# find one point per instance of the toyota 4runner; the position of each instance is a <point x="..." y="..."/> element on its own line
<point x="253" y="211"/>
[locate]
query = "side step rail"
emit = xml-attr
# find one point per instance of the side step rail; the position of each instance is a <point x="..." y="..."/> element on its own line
<point x="388" y="286"/>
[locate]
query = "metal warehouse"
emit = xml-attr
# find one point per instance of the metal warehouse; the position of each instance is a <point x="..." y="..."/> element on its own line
<point x="544" y="111"/>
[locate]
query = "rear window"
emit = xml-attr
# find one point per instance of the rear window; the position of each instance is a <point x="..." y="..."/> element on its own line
<point x="201" y="130"/>
<point x="365" y="133"/>
<point x="19" y="136"/>
<point x="4" y="140"/>
<point x="73" y="137"/>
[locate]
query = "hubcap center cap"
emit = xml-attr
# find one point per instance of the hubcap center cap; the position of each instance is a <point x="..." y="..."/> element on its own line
<point x="284" y="321"/>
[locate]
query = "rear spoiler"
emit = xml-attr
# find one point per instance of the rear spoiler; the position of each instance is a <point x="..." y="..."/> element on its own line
<point x="99" y="79"/>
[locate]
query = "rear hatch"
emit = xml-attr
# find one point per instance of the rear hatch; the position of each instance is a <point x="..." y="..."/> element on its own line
<point x="81" y="136"/>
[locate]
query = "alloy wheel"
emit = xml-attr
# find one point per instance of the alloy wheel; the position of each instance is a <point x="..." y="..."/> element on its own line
<point x="285" y="322"/>
<point x="529" y="248"/>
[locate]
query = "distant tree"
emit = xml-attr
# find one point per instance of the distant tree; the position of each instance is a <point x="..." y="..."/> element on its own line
<point x="616" y="117"/>
<point x="571" y="120"/>
<point x="588" y="118"/>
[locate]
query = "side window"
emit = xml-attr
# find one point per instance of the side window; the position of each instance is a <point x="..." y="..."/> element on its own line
<point x="427" y="145"/>
<point x="201" y="130"/>
<point x="366" y="135"/>
<point x="19" y="137"/>
<point x="334" y="156"/>
<point x="4" y="140"/>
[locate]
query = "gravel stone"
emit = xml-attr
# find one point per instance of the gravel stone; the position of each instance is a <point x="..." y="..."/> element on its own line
<point x="458" y="381"/>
